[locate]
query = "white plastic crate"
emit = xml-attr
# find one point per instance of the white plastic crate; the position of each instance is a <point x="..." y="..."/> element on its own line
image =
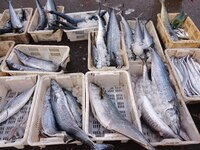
<point x="187" y="123"/>
<point x="181" y="52"/>
<point x="82" y="34"/>
<point x="152" y="31"/>
<point x="23" y="37"/>
<point x="9" y="88"/>
<point x="117" y="84"/>
<point x="57" y="54"/>
<point x="72" y="82"/>
<point x="91" y="66"/>
<point x="44" y="35"/>
<point x="5" y="49"/>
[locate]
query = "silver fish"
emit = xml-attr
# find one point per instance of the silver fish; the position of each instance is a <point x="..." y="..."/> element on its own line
<point x="165" y="20"/>
<point x="42" y="23"/>
<point x="36" y="62"/>
<point x="74" y="106"/>
<point x="107" y="114"/>
<point x="65" y="119"/>
<point x="51" y="5"/>
<point x="113" y="41"/>
<point x="148" y="39"/>
<point x="168" y="99"/>
<point x="95" y="53"/>
<point x="16" y="24"/>
<point x="16" y="104"/>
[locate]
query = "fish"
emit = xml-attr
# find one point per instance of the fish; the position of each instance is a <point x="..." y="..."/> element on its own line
<point x="143" y="88"/>
<point x="48" y="122"/>
<point x="128" y="38"/>
<point x="66" y="25"/>
<point x="13" y="66"/>
<point x="51" y="5"/>
<point x="42" y="22"/>
<point x="109" y="117"/>
<point x="169" y="101"/>
<point x="165" y="20"/>
<point x="16" y="104"/>
<point x="30" y="61"/>
<point x="16" y="24"/>
<point x="113" y="41"/>
<point x="95" y="52"/>
<point x="74" y="106"/>
<point x="178" y="21"/>
<point x="65" y="119"/>
<point x="148" y="39"/>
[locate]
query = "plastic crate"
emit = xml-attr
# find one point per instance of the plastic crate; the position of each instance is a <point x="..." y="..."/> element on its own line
<point x="117" y="84"/>
<point x="5" y="49"/>
<point x="195" y="53"/>
<point x="9" y="88"/>
<point x="152" y="31"/>
<point x="82" y="34"/>
<point x="57" y="54"/>
<point x="186" y="120"/>
<point x="188" y="25"/>
<point x="44" y="35"/>
<point x="72" y="82"/>
<point x="110" y="68"/>
<point x="23" y="37"/>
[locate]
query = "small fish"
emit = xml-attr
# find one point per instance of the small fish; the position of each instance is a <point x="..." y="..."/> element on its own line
<point x="16" y="24"/>
<point x="16" y="104"/>
<point x="65" y="119"/>
<point x="108" y="115"/>
<point x="34" y="62"/>
<point x="42" y="23"/>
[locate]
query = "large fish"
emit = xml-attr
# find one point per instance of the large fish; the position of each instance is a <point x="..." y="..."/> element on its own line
<point x="42" y="23"/>
<point x="165" y="20"/>
<point x="113" y="41"/>
<point x="107" y="114"/>
<point x="51" y="5"/>
<point x="16" y="104"/>
<point x="65" y="119"/>
<point x="168" y="98"/>
<point x="36" y="62"/>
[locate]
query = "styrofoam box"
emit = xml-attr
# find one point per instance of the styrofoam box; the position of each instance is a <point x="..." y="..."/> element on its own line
<point x="110" y="68"/>
<point x="10" y="87"/>
<point x="58" y="54"/>
<point x="72" y="82"/>
<point x="186" y="120"/>
<point x="23" y="37"/>
<point x="44" y="35"/>
<point x="81" y="34"/>
<point x="5" y="49"/>
<point x="152" y="31"/>
<point x="181" y="52"/>
<point x="118" y="87"/>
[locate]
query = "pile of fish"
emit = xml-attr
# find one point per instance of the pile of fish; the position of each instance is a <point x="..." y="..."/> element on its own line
<point x="17" y="21"/>
<point x="11" y="107"/>
<point x="174" y="28"/>
<point x="106" y="47"/>
<point x="31" y="63"/>
<point x="49" y="18"/>
<point x="188" y="71"/>
<point x="62" y="112"/>
<point x="157" y="102"/>
<point x="110" y="118"/>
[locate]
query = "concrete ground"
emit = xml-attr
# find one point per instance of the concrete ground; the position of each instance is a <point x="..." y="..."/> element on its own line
<point x="78" y="50"/>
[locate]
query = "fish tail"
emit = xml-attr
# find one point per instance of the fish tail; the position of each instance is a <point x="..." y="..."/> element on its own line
<point x="103" y="146"/>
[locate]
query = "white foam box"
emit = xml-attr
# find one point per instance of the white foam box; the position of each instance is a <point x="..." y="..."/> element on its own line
<point x="118" y="86"/>
<point x="44" y="35"/>
<point x="11" y="86"/>
<point x="82" y="33"/>
<point x="91" y="65"/>
<point x="182" y="52"/>
<point x="23" y="37"/>
<point x="58" y="54"/>
<point x="73" y="82"/>
<point x="187" y="122"/>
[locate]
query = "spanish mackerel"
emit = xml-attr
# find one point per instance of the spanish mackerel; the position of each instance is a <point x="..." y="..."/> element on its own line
<point x="65" y="120"/>
<point x="107" y="114"/>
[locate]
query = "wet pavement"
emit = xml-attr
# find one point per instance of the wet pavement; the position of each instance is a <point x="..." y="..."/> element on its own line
<point x="78" y="50"/>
